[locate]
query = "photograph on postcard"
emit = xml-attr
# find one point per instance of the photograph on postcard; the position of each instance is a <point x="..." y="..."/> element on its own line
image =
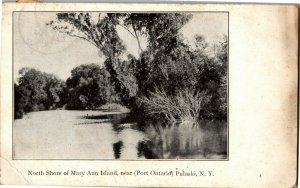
<point x="120" y="85"/>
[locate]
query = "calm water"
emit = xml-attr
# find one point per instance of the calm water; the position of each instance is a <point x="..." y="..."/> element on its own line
<point x="65" y="134"/>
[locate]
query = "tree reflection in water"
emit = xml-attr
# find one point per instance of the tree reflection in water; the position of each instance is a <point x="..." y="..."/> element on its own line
<point x="159" y="141"/>
<point x="74" y="135"/>
<point x="117" y="149"/>
<point x="207" y="141"/>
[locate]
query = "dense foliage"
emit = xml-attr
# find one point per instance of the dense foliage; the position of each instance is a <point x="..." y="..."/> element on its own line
<point x="168" y="71"/>
<point x="89" y="87"/>
<point x="36" y="91"/>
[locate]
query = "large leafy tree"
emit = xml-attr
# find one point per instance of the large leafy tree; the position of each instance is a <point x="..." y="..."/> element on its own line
<point x="98" y="29"/>
<point x="89" y="87"/>
<point x="161" y="31"/>
<point x="34" y="81"/>
<point x="167" y="62"/>
<point x="36" y="91"/>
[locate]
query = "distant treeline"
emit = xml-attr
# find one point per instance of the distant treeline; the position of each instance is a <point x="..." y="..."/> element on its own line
<point x="36" y="91"/>
<point x="171" y="79"/>
<point x="87" y="88"/>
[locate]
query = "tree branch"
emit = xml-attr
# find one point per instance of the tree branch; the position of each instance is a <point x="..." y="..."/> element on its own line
<point x="99" y="17"/>
<point x="137" y="38"/>
<point x="127" y="29"/>
<point x="77" y="36"/>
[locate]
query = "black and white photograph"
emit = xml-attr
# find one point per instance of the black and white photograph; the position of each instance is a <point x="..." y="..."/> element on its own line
<point x="120" y="85"/>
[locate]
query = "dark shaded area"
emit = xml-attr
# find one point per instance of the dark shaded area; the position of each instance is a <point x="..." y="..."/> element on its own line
<point x="37" y="91"/>
<point x="88" y="87"/>
<point x="171" y="141"/>
<point x="145" y="149"/>
<point x="117" y="149"/>
<point x="115" y="119"/>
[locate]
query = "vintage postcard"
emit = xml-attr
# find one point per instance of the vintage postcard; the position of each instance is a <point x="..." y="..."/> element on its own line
<point x="149" y="95"/>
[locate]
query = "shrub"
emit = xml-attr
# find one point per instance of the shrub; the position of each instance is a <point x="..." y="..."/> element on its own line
<point x="185" y="106"/>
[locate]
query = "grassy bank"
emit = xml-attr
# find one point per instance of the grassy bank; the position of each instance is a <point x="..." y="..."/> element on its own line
<point x="114" y="107"/>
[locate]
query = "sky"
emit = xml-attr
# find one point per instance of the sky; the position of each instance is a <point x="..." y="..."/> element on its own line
<point x="38" y="46"/>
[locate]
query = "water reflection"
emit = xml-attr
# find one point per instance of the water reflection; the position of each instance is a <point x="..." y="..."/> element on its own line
<point x="63" y="134"/>
<point x="117" y="149"/>
<point x="159" y="141"/>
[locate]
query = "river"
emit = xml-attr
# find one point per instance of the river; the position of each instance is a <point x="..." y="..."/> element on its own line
<point x="63" y="134"/>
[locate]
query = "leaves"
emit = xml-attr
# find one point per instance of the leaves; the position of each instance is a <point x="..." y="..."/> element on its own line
<point x="88" y="87"/>
<point x="36" y="91"/>
<point x="168" y="62"/>
<point x="102" y="33"/>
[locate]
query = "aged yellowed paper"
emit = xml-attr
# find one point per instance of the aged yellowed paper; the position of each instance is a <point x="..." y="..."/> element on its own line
<point x="149" y="95"/>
